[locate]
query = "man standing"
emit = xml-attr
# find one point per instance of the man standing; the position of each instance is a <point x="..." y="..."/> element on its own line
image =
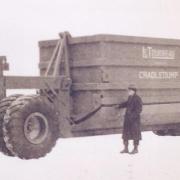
<point x="132" y="124"/>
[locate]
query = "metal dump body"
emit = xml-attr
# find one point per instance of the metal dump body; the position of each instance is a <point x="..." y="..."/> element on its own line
<point x="102" y="67"/>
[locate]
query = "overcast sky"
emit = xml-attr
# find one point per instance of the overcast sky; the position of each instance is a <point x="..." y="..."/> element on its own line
<point x="24" y="22"/>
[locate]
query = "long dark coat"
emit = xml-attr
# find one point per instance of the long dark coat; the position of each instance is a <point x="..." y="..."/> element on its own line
<point x="132" y="124"/>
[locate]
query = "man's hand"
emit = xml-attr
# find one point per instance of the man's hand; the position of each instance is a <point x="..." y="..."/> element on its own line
<point x="116" y="106"/>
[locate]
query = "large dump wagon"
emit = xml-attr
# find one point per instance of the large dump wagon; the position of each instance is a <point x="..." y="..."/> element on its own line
<point x="102" y="67"/>
<point x="82" y="79"/>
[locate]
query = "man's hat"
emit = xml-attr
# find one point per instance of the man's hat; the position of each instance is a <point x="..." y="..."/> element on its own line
<point x="132" y="87"/>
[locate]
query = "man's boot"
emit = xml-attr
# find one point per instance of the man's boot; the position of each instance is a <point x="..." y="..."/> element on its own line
<point x="135" y="150"/>
<point x="125" y="150"/>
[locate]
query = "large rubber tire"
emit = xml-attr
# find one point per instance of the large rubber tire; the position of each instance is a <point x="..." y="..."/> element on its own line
<point x="22" y="119"/>
<point x="4" y="104"/>
<point x="169" y="132"/>
<point x="160" y="132"/>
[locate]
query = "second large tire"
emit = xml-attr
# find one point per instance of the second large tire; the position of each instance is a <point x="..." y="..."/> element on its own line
<point x="30" y="127"/>
<point x="169" y="132"/>
<point x="4" y="105"/>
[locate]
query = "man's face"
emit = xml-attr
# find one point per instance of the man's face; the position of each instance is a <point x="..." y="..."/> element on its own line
<point x="130" y="92"/>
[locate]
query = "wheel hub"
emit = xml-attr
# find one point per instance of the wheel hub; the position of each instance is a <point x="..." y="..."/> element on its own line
<point x="36" y="128"/>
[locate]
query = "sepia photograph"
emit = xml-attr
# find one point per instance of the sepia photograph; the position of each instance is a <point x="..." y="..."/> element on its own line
<point x="90" y="90"/>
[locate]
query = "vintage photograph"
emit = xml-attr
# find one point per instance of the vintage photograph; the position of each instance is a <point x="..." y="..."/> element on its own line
<point x="89" y="90"/>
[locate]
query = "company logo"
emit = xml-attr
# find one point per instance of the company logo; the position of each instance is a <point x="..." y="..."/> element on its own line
<point x="152" y="53"/>
<point x="158" y="75"/>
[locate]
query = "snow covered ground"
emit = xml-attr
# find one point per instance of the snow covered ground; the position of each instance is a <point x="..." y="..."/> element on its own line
<point x="98" y="158"/>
